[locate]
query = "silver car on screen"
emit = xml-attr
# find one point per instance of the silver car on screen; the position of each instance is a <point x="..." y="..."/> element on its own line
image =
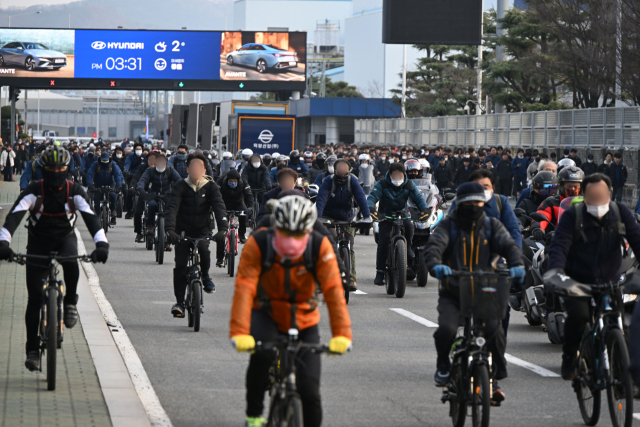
<point x="32" y="56"/>
<point x="263" y="57"/>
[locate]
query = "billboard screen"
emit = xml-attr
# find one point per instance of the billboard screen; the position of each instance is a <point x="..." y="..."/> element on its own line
<point x="164" y="60"/>
<point x="266" y="134"/>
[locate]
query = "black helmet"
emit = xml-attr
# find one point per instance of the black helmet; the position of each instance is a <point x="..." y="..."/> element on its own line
<point x="294" y="156"/>
<point x="321" y="156"/>
<point x="55" y="156"/>
<point x="545" y="183"/>
<point x="571" y="174"/>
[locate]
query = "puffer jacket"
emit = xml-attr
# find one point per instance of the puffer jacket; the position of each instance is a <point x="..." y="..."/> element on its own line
<point x="160" y="182"/>
<point x="314" y="171"/>
<point x="257" y="178"/>
<point x="339" y="205"/>
<point x="180" y="165"/>
<point x="235" y="197"/>
<point x="133" y="162"/>
<point x="393" y="199"/>
<point x="104" y="175"/>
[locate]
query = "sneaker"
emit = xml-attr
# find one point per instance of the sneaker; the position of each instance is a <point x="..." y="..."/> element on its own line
<point x="167" y="247"/>
<point x="441" y="377"/>
<point x="220" y="262"/>
<point x="33" y="361"/>
<point x="209" y="286"/>
<point x="255" y="422"/>
<point x="129" y="215"/>
<point x="242" y="239"/>
<point x="568" y="370"/>
<point x="139" y="238"/>
<point x="177" y="310"/>
<point x="379" y="280"/>
<point x="353" y="286"/>
<point x="113" y="220"/>
<point x="498" y="394"/>
<point x="70" y="315"/>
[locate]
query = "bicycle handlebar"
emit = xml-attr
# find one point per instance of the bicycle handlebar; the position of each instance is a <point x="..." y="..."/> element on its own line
<point x="502" y="274"/>
<point x="194" y="240"/>
<point x="22" y="258"/>
<point x="284" y="345"/>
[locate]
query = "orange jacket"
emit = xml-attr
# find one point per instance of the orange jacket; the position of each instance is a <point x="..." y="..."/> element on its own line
<point x="272" y="285"/>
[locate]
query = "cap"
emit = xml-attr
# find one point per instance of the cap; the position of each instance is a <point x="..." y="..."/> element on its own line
<point x="470" y="191"/>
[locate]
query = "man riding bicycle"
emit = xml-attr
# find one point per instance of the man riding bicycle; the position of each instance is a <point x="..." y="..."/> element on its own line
<point x="280" y="268"/>
<point x="467" y="239"/>
<point x="52" y="203"/>
<point x="335" y="201"/>
<point x="256" y="175"/>
<point x="392" y="193"/>
<point x="237" y="196"/>
<point x="131" y="164"/>
<point x="103" y="173"/>
<point x="188" y="210"/>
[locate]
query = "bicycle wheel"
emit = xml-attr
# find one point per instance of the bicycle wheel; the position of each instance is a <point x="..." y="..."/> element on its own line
<point x="196" y="300"/>
<point x="52" y="338"/>
<point x="232" y="253"/>
<point x="400" y="273"/>
<point x="293" y="412"/>
<point x="160" y="244"/>
<point x="620" y="388"/>
<point x="421" y="266"/>
<point x="588" y="396"/>
<point x="457" y="401"/>
<point x="119" y="204"/>
<point x="189" y="306"/>
<point x="480" y="397"/>
<point x="346" y="259"/>
<point x="104" y="215"/>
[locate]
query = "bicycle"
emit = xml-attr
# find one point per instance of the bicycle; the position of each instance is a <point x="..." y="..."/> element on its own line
<point x="482" y="297"/>
<point x="50" y="329"/>
<point x="251" y="220"/>
<point x="194" y="305"/>
<point x="396" y="271"/>
<point x="603" y="361"/>
<point x="231" y="242"/>
<point x="285" y="408"/>
<point x="157" y="237"/>
<point x="104" y="192"/>
<point x="344" y="248"/>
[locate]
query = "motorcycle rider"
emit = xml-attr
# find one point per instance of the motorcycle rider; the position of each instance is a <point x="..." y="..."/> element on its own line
<point x="281" y="163"/>
<point x="242" y="163"/>
<point x="544" y="185"/>
<point x="544" y="165"/>
<point x="298" y="166"/>
<point x="226" y="164"/>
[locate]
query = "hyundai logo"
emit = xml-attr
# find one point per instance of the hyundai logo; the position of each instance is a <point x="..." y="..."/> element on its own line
<point x="265" y="136"/>
<point x="98" y="45"/>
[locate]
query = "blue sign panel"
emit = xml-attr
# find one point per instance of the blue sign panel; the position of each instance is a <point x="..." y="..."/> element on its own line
<point x="266" y="134"/>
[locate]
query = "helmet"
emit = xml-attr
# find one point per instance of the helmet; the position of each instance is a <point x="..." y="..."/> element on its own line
<point x="545" y="183"/>
<point x="281" y="159"/>
<point x="247" y="153"/>
<point x="412" y="164"/>
<point x="55" y="156"/>
<point x="295" y="214"/>
<point x="214" y="154"/>
<point x="275" y="155"/>
<point x="227" y="156"/>
<point x="425" y="164"/>
<point x="571" y="174"/>
<point x="364" y="158"/>
<point x="294" y="156"/>
<point x="321" y="156"/>
<point x="565" y="163"/>
<point x="331" y="160"/>
<point x="308" y="154"/>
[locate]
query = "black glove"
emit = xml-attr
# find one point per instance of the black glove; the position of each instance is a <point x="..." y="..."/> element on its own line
<point x="101" y="252"/>
<point x="92" y="188"/>
<point x="374" y="214"/>
<point x="538" y="234"/>
<point x="248" y="211"/>
<point x="424" y="215"/>
<point x="220" y="235"/>
<point x="5" y="251"/>
<point x="173" y="237"/>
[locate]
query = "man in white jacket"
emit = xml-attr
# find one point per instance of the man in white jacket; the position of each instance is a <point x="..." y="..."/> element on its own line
<point x="6" y="162"/>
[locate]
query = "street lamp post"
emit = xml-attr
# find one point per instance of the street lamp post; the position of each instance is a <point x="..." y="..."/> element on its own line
<point x="21" y="14"/>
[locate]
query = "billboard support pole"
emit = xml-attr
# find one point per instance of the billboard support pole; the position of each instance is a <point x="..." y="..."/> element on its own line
<point x="404" y="79"/>
<point x="38" y="113"/>
<point x="26" y="123"/>
<point x="13" y="116"/>
<point x="98" y="125"/>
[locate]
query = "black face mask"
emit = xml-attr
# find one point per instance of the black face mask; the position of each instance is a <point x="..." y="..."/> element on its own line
<point x="469" y="213"/>
<point x="280" y="165"/>
<point x="54" y="180"/>
<point x="341" y="179"/>
<point x="320" y="163"/>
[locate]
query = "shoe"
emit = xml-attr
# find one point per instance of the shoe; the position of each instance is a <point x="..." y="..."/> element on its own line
<point x="441" y="377"/>
<point x="139" y="238"/>
<point x="128" y="216"/>
<point x="177" y="310"/>
<point x="150" y="230"/>
<point x="113" y="220"/>
<point x="410" y="253"/>
<point x="352" y="286"/>
<point x="220" y="263"/>
<point x="255" y="422"/>
<point x="379" y="280"/>
<point x="498" y="394"/>
<point x="242" y="239"/>
<point x="515" y="302"/>
<point x="568" y="370"/>
<point x="70" y="315"/>
<point x="167" y="247"/>
<point x="209" y="286"/>
<point x="33" y="361"/>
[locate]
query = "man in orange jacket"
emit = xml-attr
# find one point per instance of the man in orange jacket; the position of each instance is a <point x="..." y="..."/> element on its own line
<point x="276" y="291"/>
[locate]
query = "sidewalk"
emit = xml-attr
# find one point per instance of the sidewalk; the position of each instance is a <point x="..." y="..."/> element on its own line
<point x="24" y="400"/>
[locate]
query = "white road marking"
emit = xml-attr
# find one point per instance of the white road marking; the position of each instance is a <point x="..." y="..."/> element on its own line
<point x="156" y="413"/>
<point x="636" y="416"/>
<point x="511" y="359"/>
<point x="359" y="292"/>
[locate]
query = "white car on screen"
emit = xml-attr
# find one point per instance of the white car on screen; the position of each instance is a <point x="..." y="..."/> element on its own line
<point x="32" y="56"/>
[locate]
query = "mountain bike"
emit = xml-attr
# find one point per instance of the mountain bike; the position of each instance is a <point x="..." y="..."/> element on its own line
<point x="50" y="329"/>
<point x="194" y="305"/>
<point x="251" y="220"/>
<point x="483" y="296"/>
<point x="344" y="248"/>
<point x="231" y="242"/>
<point x="285" y="408"/>
<point x="396" y="271"/>
<point x="103" y="213"/>
<point x="157" y="237"/>
<point x="603" y="360"/>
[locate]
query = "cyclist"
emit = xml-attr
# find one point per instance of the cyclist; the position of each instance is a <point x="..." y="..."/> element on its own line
<point x="131" y="164"/>
<point x="157" y="179"/>
<point x="150" y="161"/>
<point x="237" y="196"/>
<point x="179" y="160"/>
<point x="286" y="181"/>
<point x="273" y="261"/>
<point x="244" y="161"/>
<point x="281" y="163"/>
<point x="328" y="171"/>
<point x="365" y="173"/>
<point x="295" y="164"/>
<point x="188" y="210"/>
<point x="544" y="185"/>
<point x="257" y="175"/>
<point x="453" y="246"/>
<point x="34" y="170"/>
<point x="105" y="173"/>
<point x="335" y="201"/>
<point x="52" y="203"/>
<point x="392" y="193"/>
<point x="586" y="246"/>
<point x="317" y="167"/>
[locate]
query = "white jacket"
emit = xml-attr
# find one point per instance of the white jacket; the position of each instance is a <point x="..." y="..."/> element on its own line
<point x="7" y="154"/>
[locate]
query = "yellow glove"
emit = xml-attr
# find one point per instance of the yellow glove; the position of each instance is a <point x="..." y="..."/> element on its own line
<point x="243" y="343"/>
<point x="339" y="345"/>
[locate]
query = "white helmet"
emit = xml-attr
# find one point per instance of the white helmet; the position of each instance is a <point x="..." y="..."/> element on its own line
<point x="275" y="155"/>
<point x="425" y="164"/>
<point x="227" y="156"/>
<point x="295" y="214"/>
<point x="566" y="162"/>
<point x="247" y="152"/>
<point x="364" y="157"/>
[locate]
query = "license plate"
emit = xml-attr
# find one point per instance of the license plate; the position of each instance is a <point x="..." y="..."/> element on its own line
<point x="59" y="61"/>
<point x="292" y="63"/>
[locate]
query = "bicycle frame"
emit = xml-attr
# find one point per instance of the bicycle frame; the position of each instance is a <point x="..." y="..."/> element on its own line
<point x="56" y="286"/>
<point x="396" y="234"/>
<point x="231" y="216"/>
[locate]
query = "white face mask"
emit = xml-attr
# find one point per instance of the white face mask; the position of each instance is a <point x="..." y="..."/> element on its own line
<point x="138" y="153"/>
<point x="488" y="194"/>
<point x="397" y="182"/>
<point x="330" y="169"/>
<point x="383" y="158"/>
<point x="598" y="211"/>
<point x="256" y="164"/>
<point x="161" y="169"/>
<point x="404" y="157"/>
<point x="391" y="160"/>
<point x="589" y="161"/>
<point x="520" y="156"/>
<point x="119" y="156"/>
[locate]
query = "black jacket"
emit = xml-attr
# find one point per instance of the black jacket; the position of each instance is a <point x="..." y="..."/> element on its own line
<point x="532" y="203"/>
<point x="503" y="170"/>
<point x="615" y="169"/>
<point x="314" y="171"/>
<point x="119" y="161"/>
<point x="236" y="198"/>
<point x="273" y="194"/>
<point x="462" y="174"/>
<point x="589" y="168"/>
<point x="443" y="176"/>
<point x="189" y="207"/>
<point x="382" y="168"/>
<point x="257" y="178"/>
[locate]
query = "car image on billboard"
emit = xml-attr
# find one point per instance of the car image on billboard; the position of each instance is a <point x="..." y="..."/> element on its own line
<point x="262" y="56"/>
<point x="30" y="52"/>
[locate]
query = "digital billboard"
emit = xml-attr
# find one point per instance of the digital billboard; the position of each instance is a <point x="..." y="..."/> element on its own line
<point x="266" y="134"/>
<point x="163" y="60"/>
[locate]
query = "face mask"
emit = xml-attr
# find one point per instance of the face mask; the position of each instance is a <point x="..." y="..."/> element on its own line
<point x="404" y="157"/>
<point x="470" y="212"/>
<point x="391" y="160"/>
<point x="232" y="184"/>
<point x="589" y="161"/>
<point x="383" y="158"/>
<point x="138" y="153"/>
<point x="54" y="179"/>
<point x="572" y="193"/>
<point x="330" y="169"/>
<point x="397" y="182"/>
<point x="537" y="159"/>
<point x="209" y="156"/>
<point x="488" y="194"/>
<point x="181" y="156"/>
<point x="160" y="169"/>
<point x="341" y="179"/>
<point x="289" y="247"/>
<point x="520" y="156"/>
<point x="597" y="211"/>
<point x="118" y="156"/>
<point x="105" y="163"/>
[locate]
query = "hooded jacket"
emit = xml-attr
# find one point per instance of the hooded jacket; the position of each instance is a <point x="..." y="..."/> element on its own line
<point x="339" y="205"/>
<point x="104" y="175"/>
<point x="258" y="179"/>
<point x="234" y="198"/>
<point x="393" y="199"/>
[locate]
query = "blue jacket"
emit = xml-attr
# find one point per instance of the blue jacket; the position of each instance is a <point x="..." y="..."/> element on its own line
<point x="301" y="167"/>
<point x="25" y="179"/>
<point x="599" y="258"/>
<point x="132" y="162"/>
<point x="506" y="216"/>
<point x="161" y="182"/>
<point x="321" y="176"/>
<point x="521" y="171"/>
<point x="524" y="194"/>
<point x="339" y="206"/>
<point x="273" y="175"/>
<point x="179" y="165"/>
<point x="636" y="211"/>
<point x="87" y="162"/>
<point x="100" y="175"/>
<point x="394" y="199"/>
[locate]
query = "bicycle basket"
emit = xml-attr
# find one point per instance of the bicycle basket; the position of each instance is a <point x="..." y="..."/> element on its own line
<point x="483" y="297"/>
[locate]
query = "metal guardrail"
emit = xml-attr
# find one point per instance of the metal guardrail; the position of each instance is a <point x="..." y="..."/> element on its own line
<point x="587" y="128"/>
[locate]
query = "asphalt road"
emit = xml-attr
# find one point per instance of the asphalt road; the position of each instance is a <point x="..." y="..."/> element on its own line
<point x="386" y="381"/>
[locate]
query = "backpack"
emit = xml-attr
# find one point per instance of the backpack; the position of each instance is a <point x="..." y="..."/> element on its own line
<point x="617" y="226"/>
<point x="36" y="207"/>
<point x="498" y="202"/>
<point x="349" y="190"/>
<point x="152" y="174"/>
